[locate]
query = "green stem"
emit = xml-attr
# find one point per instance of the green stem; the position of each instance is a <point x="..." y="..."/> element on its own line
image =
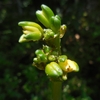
<point x="56" y="90"/>
<point x="57" y="44"/>
<point x="56" y="86"/>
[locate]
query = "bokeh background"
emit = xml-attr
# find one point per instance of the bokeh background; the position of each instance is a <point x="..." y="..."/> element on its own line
<point x="19" y="80"/>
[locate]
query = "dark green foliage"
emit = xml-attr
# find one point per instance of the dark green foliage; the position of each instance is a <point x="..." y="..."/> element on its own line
<point x="19" y="80"/>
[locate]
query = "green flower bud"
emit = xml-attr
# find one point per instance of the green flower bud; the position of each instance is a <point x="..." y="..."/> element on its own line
<point x="31" y="29"/>
<point x="62" y="58"/>
<point x="48" y="13"/>
<point x="41" y="56"/>
<point x="32" y="24"/>
<point x="53" y="70"/>
<point x="55" y="53"/>
<point x="38" y="52"/>
<point x="55" y="23"/>
<point x="51" y="58"/>
<point x="48" y="34"/>
<point x="58" y="17"/>
<point x="69" y="66"/>
<point x="22" y="39"/>
<point x="35" y="36"/>
<point x="41" y="17"/>
<point x="63" y="29"/>
<point x="64" y="76"/>
<point x="35" y="60"/>
<point x="46" y="49"/>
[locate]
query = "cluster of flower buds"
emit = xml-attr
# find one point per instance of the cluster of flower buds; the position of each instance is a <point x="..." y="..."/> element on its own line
<point x="61" y="67"/>
<point x="56" y="67"/>
<point x="44" y="56"/>
<point x="49" y="58"/>
<point x="48" y="19"/>
<point x="32" y="31"/>
<point x="41" y="58"/>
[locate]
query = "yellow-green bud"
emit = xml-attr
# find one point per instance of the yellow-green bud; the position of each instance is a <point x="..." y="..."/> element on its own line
<point x="48" y="34"/>
<point x="62" y="58"/>
<point x="53" y="70"/>
<point x="22" y="39"/>
<point x="48" y="13"/>
<point x="55" y="23"/>
<point x="69" y="66"/>
<point x="41" y="56"/>
<point x="32" y="24"/>
<point x="35" y="36"/>
<point x="42" y="18"/>
<point x="62" y="30"/>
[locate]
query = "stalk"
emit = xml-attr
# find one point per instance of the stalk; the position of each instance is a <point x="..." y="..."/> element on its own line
<point x="56" y="87"/>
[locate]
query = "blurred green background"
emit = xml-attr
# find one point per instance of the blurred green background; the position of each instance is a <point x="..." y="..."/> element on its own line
<point x="19" y="80"/>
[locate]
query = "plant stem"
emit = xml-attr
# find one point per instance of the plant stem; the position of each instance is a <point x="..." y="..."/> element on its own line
<point x="56" y="86"/>
<point x="56" y="90"/>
